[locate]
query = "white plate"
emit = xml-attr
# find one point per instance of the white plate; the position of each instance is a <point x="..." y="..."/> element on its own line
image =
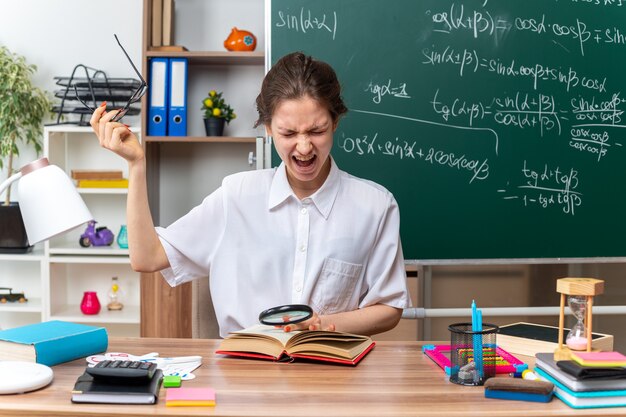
<point x="17" y="376"/>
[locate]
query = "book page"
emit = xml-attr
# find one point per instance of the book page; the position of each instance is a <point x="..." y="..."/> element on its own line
<point x="331" y="349"/>
<point x="263" y="339"/>
<point x="330" y="344"/>
<point x="262" y="330"/>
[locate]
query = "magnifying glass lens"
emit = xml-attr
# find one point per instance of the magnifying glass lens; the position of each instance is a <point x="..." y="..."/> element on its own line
<point x="288" y="314"/>
<point x="286" y="318"/>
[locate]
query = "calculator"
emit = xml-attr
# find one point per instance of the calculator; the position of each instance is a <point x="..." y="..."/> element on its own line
<point x="123" y="370"/>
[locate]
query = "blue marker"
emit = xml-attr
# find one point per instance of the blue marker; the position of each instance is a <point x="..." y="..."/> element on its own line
<point x="477" y="326"/>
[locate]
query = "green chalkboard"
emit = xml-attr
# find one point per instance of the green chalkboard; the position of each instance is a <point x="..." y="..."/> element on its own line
<point x="497" y="124"/>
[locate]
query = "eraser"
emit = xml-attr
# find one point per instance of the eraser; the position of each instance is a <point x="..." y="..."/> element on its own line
<point x="522" y="385"/>
<point x="172" y="381"/>
<point x="517" y="396"/>
<point x="519" y="389"/>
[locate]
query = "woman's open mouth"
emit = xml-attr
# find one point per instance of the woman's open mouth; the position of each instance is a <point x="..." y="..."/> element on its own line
<point x="302" y="163"/>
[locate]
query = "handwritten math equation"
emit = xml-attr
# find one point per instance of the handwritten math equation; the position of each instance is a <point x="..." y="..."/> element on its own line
<point x="480" y="22"/>
<point x="547" y="187"/>
<point x="475" y="168"/>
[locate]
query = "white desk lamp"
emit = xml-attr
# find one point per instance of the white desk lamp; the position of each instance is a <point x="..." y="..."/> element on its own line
<point x="50" y="205"/>
<point x="49" y="202"/>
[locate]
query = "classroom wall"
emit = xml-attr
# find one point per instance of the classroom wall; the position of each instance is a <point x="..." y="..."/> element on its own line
<point x="57" y="35"/>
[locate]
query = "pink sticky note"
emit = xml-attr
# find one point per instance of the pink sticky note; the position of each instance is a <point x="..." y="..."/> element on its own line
<point x="614" y="358"/>
<point x="601" y="356"/>
<point x="190" y="394"/>
<point x="189" y="397"/>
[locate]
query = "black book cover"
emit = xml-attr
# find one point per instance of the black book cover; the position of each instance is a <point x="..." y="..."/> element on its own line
<point x="591" y="372"/>
<point x="90" y="390"/>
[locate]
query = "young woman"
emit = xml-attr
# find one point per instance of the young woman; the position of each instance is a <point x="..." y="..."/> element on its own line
<point x="303" y="233"/>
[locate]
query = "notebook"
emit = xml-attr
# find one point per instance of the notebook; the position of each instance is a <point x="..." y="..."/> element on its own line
<point x="589" y="399"/>
<point x="545" y="362"/>
<point x="89" y="390"/>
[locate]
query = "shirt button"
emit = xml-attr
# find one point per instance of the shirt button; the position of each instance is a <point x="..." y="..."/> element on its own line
<point x="306" y="201"/>
<point x="303" y="210"/>
<point x="298" y="288"/>
<point x="302" y="248"/>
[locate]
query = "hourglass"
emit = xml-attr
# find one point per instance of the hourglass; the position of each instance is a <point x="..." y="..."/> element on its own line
<point x="580" y="293"/>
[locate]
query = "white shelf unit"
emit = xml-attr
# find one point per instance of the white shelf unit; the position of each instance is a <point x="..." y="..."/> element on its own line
<point x="66" y="270"/>
<point x="71" y="276"/>
<point x="23" y="273"/>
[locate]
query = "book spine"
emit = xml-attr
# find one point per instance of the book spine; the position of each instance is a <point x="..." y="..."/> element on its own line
<point x="123" y="183"/>
<point x="97" y="175"/>
<point x="67" y="348"/>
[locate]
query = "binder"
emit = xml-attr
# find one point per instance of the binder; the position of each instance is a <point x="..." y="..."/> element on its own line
<point x="177" y="113"/>
<point x="157" y="101"/>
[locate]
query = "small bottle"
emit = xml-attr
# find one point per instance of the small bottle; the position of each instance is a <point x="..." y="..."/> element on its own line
<point x="115" y="294"/>
<point x="122" y="237"/>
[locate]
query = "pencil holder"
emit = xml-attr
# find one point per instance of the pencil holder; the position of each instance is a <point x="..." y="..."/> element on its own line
<point x="468" y="368"/>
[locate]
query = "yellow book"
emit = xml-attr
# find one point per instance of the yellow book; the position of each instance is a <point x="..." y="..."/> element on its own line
<point x="123" y="183"/>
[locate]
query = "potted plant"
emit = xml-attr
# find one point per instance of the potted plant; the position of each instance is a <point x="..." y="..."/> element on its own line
<point x="216" y="113"/>
<point x="22" y="110"/>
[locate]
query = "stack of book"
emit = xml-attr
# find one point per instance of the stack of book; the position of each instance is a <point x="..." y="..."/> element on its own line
<point x="581" y="386"/>
<point x="87" y="178"/>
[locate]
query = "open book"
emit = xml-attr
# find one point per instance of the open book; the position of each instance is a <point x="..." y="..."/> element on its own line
<point x="268" y="342"/>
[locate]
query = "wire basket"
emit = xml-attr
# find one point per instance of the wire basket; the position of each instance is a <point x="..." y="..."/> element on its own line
<point x="466" y="369"/>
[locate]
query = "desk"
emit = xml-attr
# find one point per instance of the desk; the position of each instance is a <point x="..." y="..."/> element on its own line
<point x="395" y="379"/>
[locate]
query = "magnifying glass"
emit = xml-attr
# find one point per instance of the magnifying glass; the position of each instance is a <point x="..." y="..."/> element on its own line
<point x="287" y="314"/>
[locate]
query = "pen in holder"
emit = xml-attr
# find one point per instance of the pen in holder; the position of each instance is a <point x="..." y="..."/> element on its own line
<point x="465" y="370"/>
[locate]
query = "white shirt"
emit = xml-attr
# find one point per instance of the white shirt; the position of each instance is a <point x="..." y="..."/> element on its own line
<point x="337" y="250"/>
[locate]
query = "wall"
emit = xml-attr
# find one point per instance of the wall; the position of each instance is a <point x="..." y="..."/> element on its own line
<point x="202" y="25"/>
<point x="57" y="35"/>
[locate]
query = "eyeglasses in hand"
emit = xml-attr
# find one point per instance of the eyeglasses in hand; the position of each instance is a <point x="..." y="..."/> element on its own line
<point x="134" y="98"/>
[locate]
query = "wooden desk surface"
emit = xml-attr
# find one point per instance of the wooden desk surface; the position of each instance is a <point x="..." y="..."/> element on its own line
<point x="395" y="379"/>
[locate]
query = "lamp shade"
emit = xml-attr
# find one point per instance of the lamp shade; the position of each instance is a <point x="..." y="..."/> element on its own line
<point x="49" y="202"/>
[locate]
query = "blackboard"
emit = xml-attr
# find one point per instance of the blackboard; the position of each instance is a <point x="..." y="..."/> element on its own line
<point x="498" y="125"/>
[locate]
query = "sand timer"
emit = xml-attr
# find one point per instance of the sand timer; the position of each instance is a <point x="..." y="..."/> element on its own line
<point x="577" y="337"/>
<point x="579" y="293"/>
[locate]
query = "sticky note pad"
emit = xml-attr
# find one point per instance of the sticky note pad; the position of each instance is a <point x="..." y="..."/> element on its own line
<point x="602" y="359"/>
<point x="190" y="397"/>
<point x="172" y="381"/>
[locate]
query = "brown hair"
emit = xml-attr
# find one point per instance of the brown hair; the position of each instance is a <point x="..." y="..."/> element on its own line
<point x="295" y="76"/>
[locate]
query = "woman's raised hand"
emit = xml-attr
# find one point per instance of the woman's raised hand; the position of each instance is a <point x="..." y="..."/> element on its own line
<point x="115" y="136"/>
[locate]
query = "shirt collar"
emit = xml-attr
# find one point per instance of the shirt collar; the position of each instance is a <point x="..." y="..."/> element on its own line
<point x="323" y="199"/>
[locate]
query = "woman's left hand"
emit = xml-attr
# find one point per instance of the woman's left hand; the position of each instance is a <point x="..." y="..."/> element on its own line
<point x="314" y="323"/>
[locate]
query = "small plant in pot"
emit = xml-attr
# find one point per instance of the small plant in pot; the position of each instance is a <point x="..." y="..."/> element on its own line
<point x="23" y="108"/>
<point x="216" y="113"/>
